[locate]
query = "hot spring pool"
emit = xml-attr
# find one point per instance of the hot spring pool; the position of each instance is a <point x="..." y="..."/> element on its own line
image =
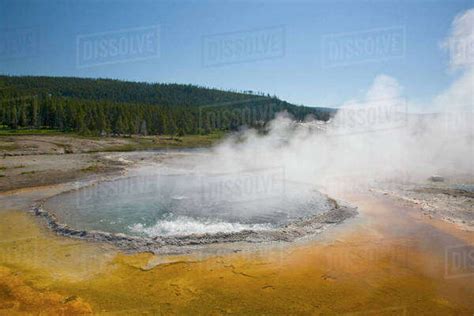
<point x="186" y="204"/>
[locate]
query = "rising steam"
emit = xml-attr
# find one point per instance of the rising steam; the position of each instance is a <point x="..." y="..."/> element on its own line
<point x="378" y="138"/>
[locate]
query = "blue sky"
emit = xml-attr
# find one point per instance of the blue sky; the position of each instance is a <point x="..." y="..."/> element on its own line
<point x="298" y="74"/>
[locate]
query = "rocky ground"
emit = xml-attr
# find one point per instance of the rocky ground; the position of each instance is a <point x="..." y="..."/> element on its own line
<point x="390" y="260"/>
<point x="27" y="161"/>
<point x="450" y="198"/>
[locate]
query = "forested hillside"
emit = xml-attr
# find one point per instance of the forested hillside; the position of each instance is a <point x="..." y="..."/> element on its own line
<point x="113" y="107"/>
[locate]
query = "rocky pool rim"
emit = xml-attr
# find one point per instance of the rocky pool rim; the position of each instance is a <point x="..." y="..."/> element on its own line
<point x="296" y="229"/>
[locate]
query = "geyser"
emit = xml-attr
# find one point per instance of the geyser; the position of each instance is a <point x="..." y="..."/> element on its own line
<point x="183" y="203"/>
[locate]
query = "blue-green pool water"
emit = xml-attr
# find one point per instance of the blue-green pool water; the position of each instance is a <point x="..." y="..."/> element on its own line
<point x="152" y="205"/>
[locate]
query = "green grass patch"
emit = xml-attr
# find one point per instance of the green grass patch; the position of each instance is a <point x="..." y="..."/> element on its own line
<point x="8" y="146"/>
<point x="126" y="147"/>
<point x="92" y="168"/>
<point x="25" y="132"/>
<point x="2" y="168"/>
<point x="130" y="143"/>
<point x="160" y="142"/>
<point x="28" y="172"/>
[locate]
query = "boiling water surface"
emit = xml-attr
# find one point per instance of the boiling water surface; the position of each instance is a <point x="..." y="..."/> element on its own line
<point x="185" y="204"/>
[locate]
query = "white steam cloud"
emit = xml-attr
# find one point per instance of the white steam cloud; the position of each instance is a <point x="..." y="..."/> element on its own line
<point x="377" y="138"/>
<point x="460" y="45"/>
<point x="373" y="139"/>
<point x="460" y="42"/>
